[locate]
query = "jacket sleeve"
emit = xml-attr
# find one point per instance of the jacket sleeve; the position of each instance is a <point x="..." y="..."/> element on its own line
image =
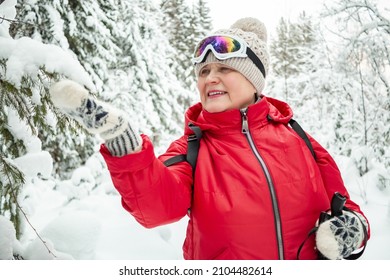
<point x="153" y="193"/>
<point x="332" y="178"/>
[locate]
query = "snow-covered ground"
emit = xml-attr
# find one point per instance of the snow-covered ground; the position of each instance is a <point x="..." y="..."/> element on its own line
<point x="82" y="218"/>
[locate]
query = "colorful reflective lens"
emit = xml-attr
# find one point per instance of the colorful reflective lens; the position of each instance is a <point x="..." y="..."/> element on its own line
<point x="222" y="46"/>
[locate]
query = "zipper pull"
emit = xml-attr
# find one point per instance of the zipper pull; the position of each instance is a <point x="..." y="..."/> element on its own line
<point x="244" y="127"/>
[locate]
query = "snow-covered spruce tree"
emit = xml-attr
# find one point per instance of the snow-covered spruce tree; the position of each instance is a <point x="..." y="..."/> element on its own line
<point x="313" y="82"/>
<point x="307" y="44"/>
<point x="26" y="68"/>
<point x="283" y="62"/>
<point x="178" y="31"/>
<point x="89" y="28"/>
<point x="41" y="21"/>
<point x="145" y="85"/>
<point x="84" y="32"/>
<point x="11" y="178"/>
<point x="363" y="29"/>
<point x="293" y="50"/>
<point x="201" y="25"/>
<point x="202" y="22"/>
<point x="302" y="74"/>
<point x="27" y="115"/>
<point x="184" y="25"/>
<point x="84" y="28"/>
<point x="24" y="110"/>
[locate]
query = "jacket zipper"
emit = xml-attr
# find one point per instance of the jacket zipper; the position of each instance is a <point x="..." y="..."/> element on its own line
<point x="278" y="225"/>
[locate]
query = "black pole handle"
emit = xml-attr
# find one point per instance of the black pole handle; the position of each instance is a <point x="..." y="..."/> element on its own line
<point x="337" y="204"/>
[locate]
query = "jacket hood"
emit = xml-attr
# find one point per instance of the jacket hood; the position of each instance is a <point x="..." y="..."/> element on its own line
<point x="226" y="122"/>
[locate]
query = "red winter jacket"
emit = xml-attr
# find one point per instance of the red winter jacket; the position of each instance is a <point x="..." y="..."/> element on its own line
<point x="256" y="195"/>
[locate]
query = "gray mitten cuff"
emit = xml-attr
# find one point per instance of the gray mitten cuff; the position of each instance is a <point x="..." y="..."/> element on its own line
<point x="97" y="117"/>
<point x="125" y="143"/>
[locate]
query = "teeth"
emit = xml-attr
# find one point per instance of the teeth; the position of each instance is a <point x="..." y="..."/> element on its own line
<point x="216" y="93"/>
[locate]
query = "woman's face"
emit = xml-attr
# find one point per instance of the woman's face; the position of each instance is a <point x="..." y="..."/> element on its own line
<point x="222" y="88"/>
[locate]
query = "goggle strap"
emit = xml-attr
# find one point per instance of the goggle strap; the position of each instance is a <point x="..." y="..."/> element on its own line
<point x="256" y="60"/>
<point x="205" y="55"/>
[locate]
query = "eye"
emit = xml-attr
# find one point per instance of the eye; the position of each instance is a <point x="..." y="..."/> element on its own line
<point x="226" y="69"/>
<point x="204" y="71"/>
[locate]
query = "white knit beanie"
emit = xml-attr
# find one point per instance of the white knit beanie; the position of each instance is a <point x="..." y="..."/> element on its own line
<point x="254" y="33"/>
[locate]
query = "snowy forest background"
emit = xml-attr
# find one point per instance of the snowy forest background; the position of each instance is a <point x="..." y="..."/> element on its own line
<point x="334" y="71"/>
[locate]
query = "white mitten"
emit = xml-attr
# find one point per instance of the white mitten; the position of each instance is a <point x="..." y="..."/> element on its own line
<point x="339" y="236"/>
<point x="97" y="117"/>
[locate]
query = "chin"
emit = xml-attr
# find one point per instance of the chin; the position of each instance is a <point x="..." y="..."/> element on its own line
<point x="216" y="108"/>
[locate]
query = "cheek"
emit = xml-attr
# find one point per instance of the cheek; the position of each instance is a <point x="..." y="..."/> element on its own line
<point x="199" y="84"/>
<point x="243" y="94"/>
<point x="201" y="87"/>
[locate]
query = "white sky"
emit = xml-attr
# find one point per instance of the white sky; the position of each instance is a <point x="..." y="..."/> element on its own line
<point x="225" y="14"/>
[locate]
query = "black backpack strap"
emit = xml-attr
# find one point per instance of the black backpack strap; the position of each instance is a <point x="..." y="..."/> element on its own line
<point x="298" y="129"/>
<point x="192" y="150"/>
<point x="175" y="159"/>
<point x="193" y="146"/>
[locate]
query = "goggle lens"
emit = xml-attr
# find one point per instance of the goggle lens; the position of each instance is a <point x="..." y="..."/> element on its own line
<point x="220" y="44"/>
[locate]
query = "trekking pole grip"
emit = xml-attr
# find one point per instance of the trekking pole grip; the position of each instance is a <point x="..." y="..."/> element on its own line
<point x="337" y="204"/>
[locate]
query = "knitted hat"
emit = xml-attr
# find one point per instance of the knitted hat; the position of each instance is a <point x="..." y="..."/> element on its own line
<point x="254" y="33"/>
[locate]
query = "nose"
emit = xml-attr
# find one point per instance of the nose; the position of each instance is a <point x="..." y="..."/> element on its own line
<point x="212" y="77"/>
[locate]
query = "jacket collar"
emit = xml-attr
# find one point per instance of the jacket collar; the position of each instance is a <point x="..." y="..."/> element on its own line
<point x="227" y="122"/>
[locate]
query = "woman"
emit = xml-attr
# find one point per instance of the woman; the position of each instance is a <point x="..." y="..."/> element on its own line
<point x="257" y="190"/>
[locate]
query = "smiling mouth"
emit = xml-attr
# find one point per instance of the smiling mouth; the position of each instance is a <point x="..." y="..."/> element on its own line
<point x="216" y="93"/>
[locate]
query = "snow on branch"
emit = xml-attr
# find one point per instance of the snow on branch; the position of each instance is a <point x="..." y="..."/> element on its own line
<point x="25" y="57"/>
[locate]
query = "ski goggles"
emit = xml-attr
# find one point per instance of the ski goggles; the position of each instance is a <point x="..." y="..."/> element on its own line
<point x="225" y="47"/>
